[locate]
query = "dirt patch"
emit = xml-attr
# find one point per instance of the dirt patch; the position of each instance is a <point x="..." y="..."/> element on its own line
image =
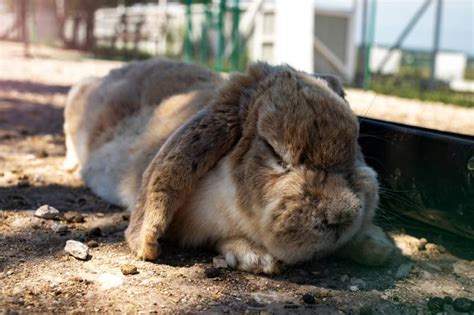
<point x="36" y="275"/>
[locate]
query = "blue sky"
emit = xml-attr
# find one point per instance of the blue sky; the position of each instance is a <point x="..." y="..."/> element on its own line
<point x="457" y="31"/>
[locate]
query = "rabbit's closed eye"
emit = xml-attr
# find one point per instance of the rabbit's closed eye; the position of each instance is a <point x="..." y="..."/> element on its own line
<point x="276" y="156"/>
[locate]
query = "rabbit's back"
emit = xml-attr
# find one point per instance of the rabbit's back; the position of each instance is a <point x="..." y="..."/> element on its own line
<point x="126" y="117"/>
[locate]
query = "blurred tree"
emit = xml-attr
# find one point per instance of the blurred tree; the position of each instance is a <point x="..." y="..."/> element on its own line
<point x="23" y="21"/>
<point x="79" y="11"/>
<point x="86" y="9"/>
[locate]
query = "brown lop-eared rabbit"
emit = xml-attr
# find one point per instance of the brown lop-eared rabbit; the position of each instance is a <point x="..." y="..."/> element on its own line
<point x="262" y="165"/>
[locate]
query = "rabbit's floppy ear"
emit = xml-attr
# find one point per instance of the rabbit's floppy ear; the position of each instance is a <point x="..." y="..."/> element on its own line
<point x="187" y="156"/>
<point x="333" y="82"/>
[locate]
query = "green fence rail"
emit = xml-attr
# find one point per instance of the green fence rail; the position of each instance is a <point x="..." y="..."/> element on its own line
<point x="214" y="20"/>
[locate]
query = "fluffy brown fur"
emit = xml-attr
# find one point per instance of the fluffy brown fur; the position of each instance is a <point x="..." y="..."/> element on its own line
<point x="265" y="165"/>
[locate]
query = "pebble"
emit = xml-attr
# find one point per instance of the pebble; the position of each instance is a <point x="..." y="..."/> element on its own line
<point x="47" y="212"/>
<point x="385" y="296"/>
<point x="432" y="248"/>
<point x="462" y="304"/>
<point x="77" y="249"/>
<point x="23" y="183"/>
<point x="353" y="288"/>
<point x="59" y="228"/>
<point x="42" y="154"/>
<point x="361" y="284"/>
<point x="95" y="232"/>
<point x="436" y="304"/>
<point x="422" y="243"/>
<point x="308" y="298"/>
<point x="212" y="272"/>
<point x="403" y="270"/>
<point x="408" y="245"/>
<point x="344" y="278"/>
<point x="129" y="269"/>
<point x="219" y="262"/>
<point x="73" y="217"/>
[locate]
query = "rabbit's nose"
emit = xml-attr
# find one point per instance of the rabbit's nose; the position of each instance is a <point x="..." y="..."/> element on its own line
<point x="343" y="210"/>
<point x="347" y="214"/>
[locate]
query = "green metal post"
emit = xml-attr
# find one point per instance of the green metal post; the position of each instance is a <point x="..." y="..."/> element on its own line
<point x="188" y="45"/>
<point x="221" y="40"/>
<point x="204" y="51"/>
<point x="235" y="36"/>
<point x="370" y="39"/>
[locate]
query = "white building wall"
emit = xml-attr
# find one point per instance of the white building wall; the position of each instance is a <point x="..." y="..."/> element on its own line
<point x="450" y="66"/>
<point x="378" y="54"/>
<point x="294" y="24"/>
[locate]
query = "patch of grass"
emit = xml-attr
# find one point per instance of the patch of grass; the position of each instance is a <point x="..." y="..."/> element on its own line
<point x="412" y="81"/>
<point x="469" y="73"/>
<point x="414" y="87"/>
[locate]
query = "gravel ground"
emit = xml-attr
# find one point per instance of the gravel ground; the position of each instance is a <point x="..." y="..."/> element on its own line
<point x="37" y="275"/>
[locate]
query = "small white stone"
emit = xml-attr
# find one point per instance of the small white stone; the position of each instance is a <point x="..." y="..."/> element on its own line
<point x="77" y="249"/>
<point x="353" y="288"/>
<point x="47" y="212"/>
<point x="18" y="290"/>
<point x="422" y="243"/>
<point x="219" y="262"/>
<point x="359" y="283"/>
<point x="59" y="227"/>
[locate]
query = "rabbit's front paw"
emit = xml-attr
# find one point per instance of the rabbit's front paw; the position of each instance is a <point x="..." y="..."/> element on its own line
<point x="70" y="165"/>
<point x="144" y="248"/>
<point x="241" y="254"/>
<point x="371" y="247"/>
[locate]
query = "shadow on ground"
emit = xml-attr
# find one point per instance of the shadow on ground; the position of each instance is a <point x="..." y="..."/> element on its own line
<point x="28" y="108"/>
<point x="32" y="238"/>
<point x="61" y="197"/>
<point x="18" y="117"/>
<point x="32" y="87"/>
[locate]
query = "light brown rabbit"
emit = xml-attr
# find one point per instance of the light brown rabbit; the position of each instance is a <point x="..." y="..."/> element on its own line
<point x="263" y="165"/>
